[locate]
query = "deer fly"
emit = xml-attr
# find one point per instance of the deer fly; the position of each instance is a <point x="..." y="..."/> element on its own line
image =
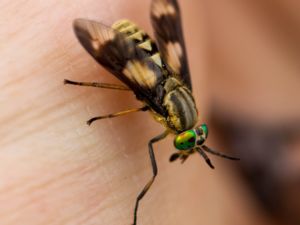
<point x="157" y="72"/>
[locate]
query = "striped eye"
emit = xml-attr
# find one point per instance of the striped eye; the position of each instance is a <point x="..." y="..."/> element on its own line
<point x="185" y="140"/>
<point x="202" y="133"/>
<point x="205" y="130"/>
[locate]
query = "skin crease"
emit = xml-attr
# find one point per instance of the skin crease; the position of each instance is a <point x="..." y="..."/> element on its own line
<point x="57" y="170"/>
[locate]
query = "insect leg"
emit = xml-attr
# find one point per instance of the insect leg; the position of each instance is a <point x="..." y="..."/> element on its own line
<point x="207" y="149"/>
<point x="145" y="108"/>
<point x="154" y="169"/>
<point x="207" y="160"/>
<point x="98" y="85"/>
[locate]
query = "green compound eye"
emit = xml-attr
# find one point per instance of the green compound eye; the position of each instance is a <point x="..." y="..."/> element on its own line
<point x="202" y="133"/>
<point x="205" y="130"/>
<point x="186" y="140"/>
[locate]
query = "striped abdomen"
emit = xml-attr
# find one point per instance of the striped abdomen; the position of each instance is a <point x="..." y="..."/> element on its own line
<point x="140" y="37"/>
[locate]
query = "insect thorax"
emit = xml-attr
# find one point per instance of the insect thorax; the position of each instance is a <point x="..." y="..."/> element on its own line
<point x="180" y="104"/>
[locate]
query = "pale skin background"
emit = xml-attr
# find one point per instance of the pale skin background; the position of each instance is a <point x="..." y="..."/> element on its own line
<point x="57" y="170"/>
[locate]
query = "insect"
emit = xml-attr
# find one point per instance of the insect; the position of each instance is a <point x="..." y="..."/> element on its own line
<point x="156" y="72"/>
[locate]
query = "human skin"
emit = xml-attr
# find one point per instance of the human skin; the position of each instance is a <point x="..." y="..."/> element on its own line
<point x="54" y="168"/>
<point x="57" y="170"/>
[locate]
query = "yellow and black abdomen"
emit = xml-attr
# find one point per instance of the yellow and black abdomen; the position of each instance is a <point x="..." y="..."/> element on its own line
<point x="140" y="37"/>
<point x="145" y="69"/>
<point x="174" y="104"/>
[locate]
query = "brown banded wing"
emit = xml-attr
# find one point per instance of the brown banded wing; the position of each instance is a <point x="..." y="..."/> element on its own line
<point x="120" y="55"/>
<point x="166" y="22"/>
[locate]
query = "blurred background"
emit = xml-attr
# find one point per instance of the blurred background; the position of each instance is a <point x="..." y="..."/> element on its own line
<point x="245" y="64"/>
<point x="253" y="62"/>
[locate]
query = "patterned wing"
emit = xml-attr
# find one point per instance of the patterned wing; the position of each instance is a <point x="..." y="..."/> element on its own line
<point x="120" y="55"/>
<point x="166" y="22"/>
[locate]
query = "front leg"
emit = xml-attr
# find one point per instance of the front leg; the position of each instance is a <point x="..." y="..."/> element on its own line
<point x="154" y="169"/>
